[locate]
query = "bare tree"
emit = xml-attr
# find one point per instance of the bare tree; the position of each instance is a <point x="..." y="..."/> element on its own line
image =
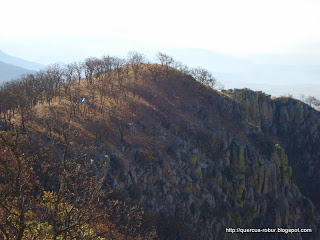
<point x="18" y="185"/>
<point x="74" y="206"/>
<point x="118" y="64"/>
<point x="90" y="68"/>
<point x="205" y="77"/>
<point x="182" y="67"/>
<point x="164" y="59"/>
<point x="312" y="101"/>
<point x="135" y="60"/>
<point x="78" y="68"/>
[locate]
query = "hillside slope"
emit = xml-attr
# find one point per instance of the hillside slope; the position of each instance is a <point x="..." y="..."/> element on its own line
<point x="187" y="153"/>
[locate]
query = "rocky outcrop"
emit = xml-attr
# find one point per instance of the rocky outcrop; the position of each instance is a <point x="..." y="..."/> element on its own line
<point x="293" y="124"/>
<point x="236" y="187"/>
<point x="227" y="180"/>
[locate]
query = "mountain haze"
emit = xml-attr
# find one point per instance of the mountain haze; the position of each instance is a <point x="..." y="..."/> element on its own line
<point x="272" y="76"/>
<point x="6" y="58"/>
<point x="9" y="72"/>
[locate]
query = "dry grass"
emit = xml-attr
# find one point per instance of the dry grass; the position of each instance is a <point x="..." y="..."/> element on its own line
<point x="147" y="110"/>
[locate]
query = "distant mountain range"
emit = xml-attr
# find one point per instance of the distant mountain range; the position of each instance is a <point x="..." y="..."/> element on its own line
<point x="9" y="71"/>
<point x="6" y="58"/>
<point x="12" y="67"/>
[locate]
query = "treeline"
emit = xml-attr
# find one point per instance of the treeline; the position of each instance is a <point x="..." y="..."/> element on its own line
<point x="312" y="101"/>
<point x="106" y="77"/>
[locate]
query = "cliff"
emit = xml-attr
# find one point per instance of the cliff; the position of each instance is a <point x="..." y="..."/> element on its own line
<point x="293" y="124"/>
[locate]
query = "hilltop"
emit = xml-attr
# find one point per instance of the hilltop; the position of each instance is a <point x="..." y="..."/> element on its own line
<point x="197" y="160"/>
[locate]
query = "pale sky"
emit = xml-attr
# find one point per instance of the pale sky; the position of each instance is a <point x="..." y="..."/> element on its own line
<point x="241" y="41"/>
<point x="226" y="26"/>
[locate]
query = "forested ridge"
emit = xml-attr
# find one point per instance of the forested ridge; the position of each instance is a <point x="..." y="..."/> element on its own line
<point x="46" y="194"/>
<point x="114" y="148"/>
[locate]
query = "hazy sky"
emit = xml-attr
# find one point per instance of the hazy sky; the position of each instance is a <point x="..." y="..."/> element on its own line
<point x="230" y="26"/>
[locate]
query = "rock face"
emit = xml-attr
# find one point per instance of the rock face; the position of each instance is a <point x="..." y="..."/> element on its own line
<point x="234" y="186"/>
<point x="238" y="187"/>
<point x="208" y="178"/>
<point x="296" y="126"/>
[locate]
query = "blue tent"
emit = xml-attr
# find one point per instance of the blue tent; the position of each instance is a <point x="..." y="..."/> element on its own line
<point x="84" y="100"/>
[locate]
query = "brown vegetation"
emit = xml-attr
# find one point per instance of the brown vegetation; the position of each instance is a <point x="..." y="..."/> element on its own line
<point x="49" y="188"/>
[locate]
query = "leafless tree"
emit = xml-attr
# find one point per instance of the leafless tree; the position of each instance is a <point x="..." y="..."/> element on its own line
<point x="135" y="60"/>
<point x="164" y="59"/>
<point x="312" y="101"/>
<point x="204" y="76"/>
<point x="90" y="68"/>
